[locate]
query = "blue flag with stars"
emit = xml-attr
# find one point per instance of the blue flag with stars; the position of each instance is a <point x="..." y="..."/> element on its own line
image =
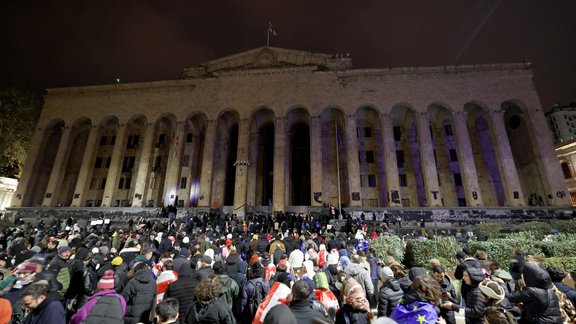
<point x="415" y="313"/>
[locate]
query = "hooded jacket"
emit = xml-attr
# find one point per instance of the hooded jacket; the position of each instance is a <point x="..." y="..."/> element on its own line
<point x="183" y="289"/>
<point x="388" y="296"/>
<point x="212" y="311"/>
<point x="236" y="269"/>
<point x="362" y="276"/>
<point x="540" y="303"/>
<point x="139" y="294"/>
<point x="474" y="299"/>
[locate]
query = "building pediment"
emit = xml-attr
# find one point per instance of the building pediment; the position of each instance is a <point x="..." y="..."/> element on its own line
<point x="268" y="58"/>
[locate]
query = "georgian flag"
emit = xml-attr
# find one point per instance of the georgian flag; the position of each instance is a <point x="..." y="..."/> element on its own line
<point x="271" y="29"/>
<point x="278" y="294"/>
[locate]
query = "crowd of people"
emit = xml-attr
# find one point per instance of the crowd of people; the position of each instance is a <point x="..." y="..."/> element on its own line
<point x="259" y="270"/>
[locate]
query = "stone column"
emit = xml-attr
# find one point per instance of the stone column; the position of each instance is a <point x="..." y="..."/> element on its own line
<point x="428" y="162"/>
<point x="27" y="172"/>
<point x="207" y="161"/>
<point x="467" y="165"/>
<point x="84" y="175"/>
<point x="353" y="163"/>
<point x="316" y="160"/>
<point x="172" y="181"/>
<point x="554" y="177"/>
<point x="58" y="169"/>
<point x="143" y="172"/>
<point x="279" y="189"/>
<point x="242" y="165"/>
<point x="512" y="188"/>
<point x="253" y="170"/>
<point x="392" y="177"/>
<point x="115" y="166"/>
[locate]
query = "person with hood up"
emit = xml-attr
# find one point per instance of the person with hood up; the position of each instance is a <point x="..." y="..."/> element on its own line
<point x="473" y="297"/>
<point x="390" y="292"/>
<point x="324" y="295"/>
<point x="557" y="277"/>
<point x="183" y="289"/>
<point x="448" y="293"/>
<point x="362" y="277"/>
<point x="120" y="273"/>
<point x="540" y="303"/>
<point x="140" y="295"/>
<point x="207" y="307"/>
<point x="355" y="308"/>
<point x="236" y="268"/>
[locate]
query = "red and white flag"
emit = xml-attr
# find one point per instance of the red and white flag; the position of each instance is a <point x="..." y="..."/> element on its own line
<point x="278" y="294"/>
<point x="271" y="29"/>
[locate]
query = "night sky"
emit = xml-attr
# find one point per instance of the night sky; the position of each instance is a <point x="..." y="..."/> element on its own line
<point x="49" y="43"/>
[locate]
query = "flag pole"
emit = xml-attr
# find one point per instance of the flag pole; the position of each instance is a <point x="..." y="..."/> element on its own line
<point x="268" y="37"/>
<point x="338" y="169"/>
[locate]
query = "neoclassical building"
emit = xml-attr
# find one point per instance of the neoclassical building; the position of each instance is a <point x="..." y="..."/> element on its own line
<point x="278" y="127"/>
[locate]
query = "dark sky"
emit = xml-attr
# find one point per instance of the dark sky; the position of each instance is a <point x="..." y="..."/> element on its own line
<point x="51" y="43"/>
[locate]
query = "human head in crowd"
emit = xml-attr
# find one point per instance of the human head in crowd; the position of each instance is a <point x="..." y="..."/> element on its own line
<point x="385" y="274"/>
<point x="64" y="252"/>
<point x="498" y="315"/>
<point x="428" y="288"/>
<point x="167" y="311"/>
<point x="300" y="291"/>
<point x="438" y="272"/>
<point x="209" y="288"/>
<point x="398" y="271"/>
<point x="354" y="295"/>
<point x="556" y="274"/>
<point x="492" y="291"/>
<point x="107" y="281"/>
<point x="34" y="295"/>
<point x="168" y="265"/>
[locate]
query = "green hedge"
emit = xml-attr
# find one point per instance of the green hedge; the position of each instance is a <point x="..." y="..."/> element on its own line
<point x="418" y="253"/>
<point x="502" y="250"/>
<point x="567" y="264"/>
<point x="381" y="246"/>
<point x="565" y="226"/>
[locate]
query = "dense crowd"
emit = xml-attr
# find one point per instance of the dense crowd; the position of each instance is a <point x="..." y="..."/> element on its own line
<point x="264" y="269"/>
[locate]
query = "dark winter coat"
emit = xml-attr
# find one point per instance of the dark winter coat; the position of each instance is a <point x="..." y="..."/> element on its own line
<point x="230" y="290"/>
<point x="474" y="299"/>
<point x="540" y="303"/>
<point x="209" y="312"/>
<point x="49" y="311"/>
<point x="405" y="283"/>
<point x="105" y="306"/>
<point x="140" y="294"/>
<point x="248" y="290"/>
<point x="120" y="275"/>
<point x="350" y="315"/>
<point x="388" y="296"/>
<point x="236" y="269"/>
<point x="447" y="287"/>
<point x="183" y="289"/>
<point x="304" y="312"/>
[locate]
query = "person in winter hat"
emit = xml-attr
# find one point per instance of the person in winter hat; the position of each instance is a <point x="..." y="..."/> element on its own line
<point x="104" y="306"/>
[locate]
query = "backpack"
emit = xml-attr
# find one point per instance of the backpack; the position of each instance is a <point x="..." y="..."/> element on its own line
<point x="254" y="300"/>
